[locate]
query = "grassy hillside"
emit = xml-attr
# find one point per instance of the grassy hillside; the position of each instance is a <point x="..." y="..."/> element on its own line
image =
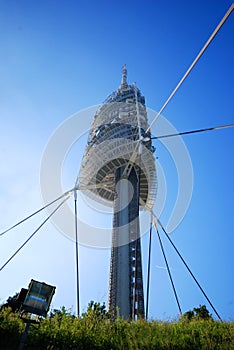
<point x="95" y="331"/>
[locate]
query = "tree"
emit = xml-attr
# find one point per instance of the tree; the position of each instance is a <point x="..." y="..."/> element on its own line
<point x="188" y="315"/>
<point x="13" y="303"/>
<point x="95" y="309"/>
<point x="60" y="313"/>
<point x="16" y="301"/>
<point x="199" y="313"/>
<point x="202" y="313"/>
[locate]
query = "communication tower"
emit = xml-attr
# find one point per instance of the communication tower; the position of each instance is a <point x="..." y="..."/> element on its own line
<point x="118" y="170"/>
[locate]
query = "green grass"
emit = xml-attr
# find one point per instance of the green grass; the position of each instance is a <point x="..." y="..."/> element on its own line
<point x="64" y="331"/>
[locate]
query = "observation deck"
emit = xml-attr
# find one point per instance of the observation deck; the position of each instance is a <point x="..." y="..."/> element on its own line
<point x="113" y="142"/>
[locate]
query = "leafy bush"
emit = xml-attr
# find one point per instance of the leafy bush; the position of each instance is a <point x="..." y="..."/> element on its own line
<point x="95" y="330"/>
<point x="199" y="313"/>
<point x="11" y="328"/>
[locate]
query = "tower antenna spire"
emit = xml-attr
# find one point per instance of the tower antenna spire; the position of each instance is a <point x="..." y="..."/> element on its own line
<point x="124" y="77"/>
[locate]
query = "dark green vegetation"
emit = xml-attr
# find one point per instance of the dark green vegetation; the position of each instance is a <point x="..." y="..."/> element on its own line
<point x="94" y="330"/>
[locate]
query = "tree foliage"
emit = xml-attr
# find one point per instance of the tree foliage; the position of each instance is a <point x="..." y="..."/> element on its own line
<point x="12" y="302"/>
<point x="97" y="310"/>
<point x="198" y="313"/>
<point x="61" y="330"/>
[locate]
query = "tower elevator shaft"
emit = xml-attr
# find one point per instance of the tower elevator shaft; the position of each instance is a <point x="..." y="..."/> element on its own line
<point x="126" y="297"/>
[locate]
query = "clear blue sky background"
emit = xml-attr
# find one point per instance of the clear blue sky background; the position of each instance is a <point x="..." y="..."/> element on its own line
<point x="58" y="57"/>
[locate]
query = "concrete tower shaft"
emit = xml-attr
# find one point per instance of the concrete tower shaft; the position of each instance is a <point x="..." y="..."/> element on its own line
<point x="126" y="297"/>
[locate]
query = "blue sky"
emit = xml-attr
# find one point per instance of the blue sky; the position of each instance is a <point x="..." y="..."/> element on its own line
<point x="60" y="57"/>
